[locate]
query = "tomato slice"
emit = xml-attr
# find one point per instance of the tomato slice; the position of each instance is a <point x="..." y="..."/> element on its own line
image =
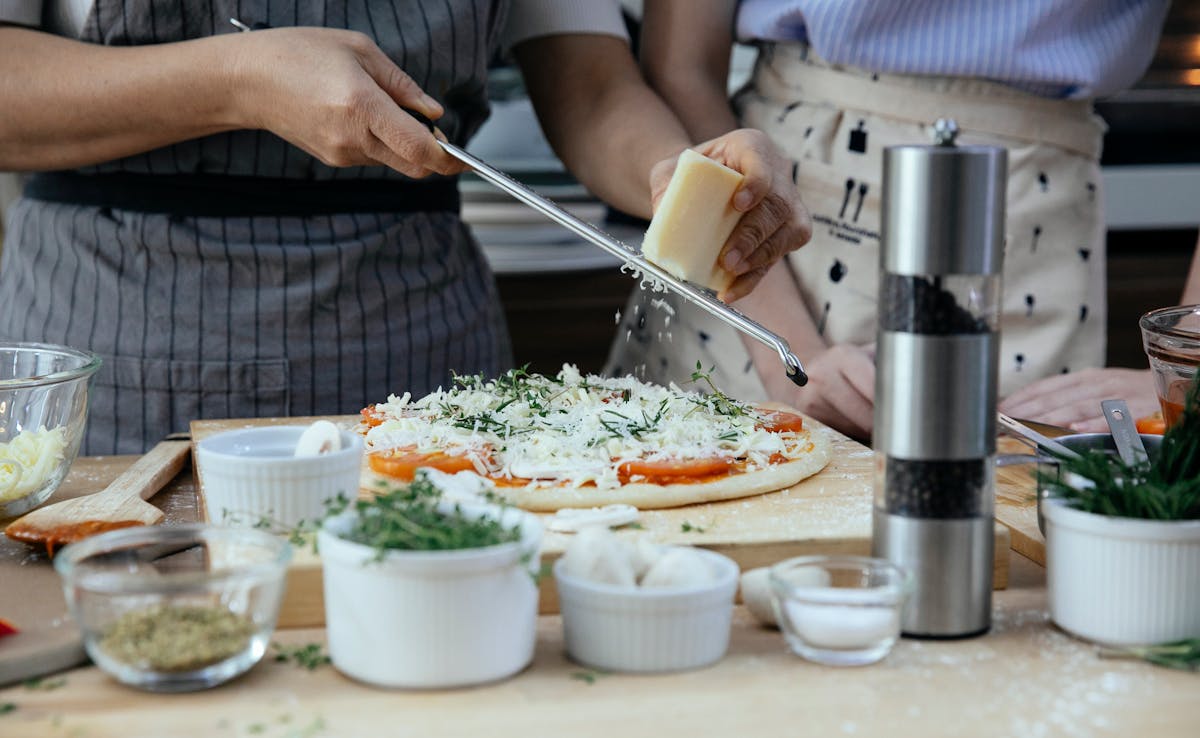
<point x="372" y="417"/>
<point x="779" y="421"/>
<point x="674" y="467"/>
<point x="1154" y="424"/>
<point x="7" y="628"/>
<point x="402" y="463"/>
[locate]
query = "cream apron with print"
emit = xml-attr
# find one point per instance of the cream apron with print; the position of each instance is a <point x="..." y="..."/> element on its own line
<point x="834" y="124"/>
<point x="264" y="315"/>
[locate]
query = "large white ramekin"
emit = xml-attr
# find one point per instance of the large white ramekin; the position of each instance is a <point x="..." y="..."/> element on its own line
<point x="428" y="619"/>
<point x="648" y="629"/>
<point x="1122" y="581"/>
<point x="250" y="475"/>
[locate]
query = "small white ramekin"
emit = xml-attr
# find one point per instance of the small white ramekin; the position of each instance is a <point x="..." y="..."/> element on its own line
<point x="648" y="629"/>
<point x="1122" y="581"/>
<point x="431" y="619"/>
<point x="250" y="475"/>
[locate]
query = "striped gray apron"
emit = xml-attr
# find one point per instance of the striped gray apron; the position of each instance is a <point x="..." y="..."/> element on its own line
<point x="263" y="315"/>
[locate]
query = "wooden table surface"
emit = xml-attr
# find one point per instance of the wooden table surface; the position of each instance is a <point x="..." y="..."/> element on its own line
<point x="1025" y="678"/>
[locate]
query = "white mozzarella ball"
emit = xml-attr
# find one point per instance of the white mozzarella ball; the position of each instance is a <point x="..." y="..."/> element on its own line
<point x="645" y="556"/>
<point x="677" y="568"/>
<point x="322" y="437"/>
<point x="595" y="554"/>
<point x="756" y="595"/>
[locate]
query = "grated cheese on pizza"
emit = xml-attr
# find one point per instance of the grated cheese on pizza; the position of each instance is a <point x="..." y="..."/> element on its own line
<point x="574" y="430"/>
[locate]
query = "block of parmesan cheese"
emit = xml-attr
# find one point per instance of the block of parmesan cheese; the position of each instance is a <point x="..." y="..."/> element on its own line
<point x="693" y="221"/>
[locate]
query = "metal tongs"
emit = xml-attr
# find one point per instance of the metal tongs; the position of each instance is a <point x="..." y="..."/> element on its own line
<point x="641" y="268"/>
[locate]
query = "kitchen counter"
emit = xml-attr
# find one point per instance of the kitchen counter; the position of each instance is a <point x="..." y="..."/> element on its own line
<point x="1025" y="678"/>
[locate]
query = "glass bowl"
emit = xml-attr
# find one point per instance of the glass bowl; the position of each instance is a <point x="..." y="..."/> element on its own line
<point x="43" y="409"/>
<point x="839" y="610"/>
<point x="1171" y="337"/>
<point x="178" y="608"/>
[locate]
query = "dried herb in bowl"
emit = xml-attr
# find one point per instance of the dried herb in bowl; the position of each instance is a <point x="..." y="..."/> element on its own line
<point x="411" y="519"/>
<point x="178" y="637"/>
<point x="1167" y="488"/>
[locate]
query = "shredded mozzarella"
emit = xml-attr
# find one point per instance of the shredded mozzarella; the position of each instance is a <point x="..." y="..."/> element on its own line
<point x="573" y="429"/>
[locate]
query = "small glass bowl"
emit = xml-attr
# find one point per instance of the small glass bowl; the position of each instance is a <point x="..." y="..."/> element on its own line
<point x="175" y="608"/>
<point x="1171" y="337"/>
<point x="839" y="610"/>
<point x="43" y="410"/>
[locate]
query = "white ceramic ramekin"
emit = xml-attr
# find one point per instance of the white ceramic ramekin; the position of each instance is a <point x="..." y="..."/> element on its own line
<point x="250" y="474"/>
<point x="428" y="619"/>
<point x="1122" y="581"/>
<point x="646" y="630"/>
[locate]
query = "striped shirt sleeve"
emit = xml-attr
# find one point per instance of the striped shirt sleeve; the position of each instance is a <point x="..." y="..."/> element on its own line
<point x="529" y="19"/>
<point x="21" y="12"/>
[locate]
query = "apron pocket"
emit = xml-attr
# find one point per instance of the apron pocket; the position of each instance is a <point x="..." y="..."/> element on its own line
<point x="136" y="401"/>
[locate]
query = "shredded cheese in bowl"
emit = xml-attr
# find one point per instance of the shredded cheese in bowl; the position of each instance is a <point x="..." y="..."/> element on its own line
<point x="28" y="461"/>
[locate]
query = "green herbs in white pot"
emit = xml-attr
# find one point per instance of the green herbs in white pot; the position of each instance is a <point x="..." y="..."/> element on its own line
<point x="420" y="592"/>
<point x="1123" y="542"/>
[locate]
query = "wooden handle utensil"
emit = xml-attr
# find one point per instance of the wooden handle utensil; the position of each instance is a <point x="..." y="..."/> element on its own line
<point x="119" y="505"/>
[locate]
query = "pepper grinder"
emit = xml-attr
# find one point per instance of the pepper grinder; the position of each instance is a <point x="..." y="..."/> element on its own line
<point x="936" y="378"/>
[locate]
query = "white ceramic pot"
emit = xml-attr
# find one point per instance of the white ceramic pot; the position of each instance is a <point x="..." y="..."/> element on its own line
<point x="429" y="619"/>
<point x="1122" y="581"/>
<point x="250" y="474"/>
<point x="648" y="629"/>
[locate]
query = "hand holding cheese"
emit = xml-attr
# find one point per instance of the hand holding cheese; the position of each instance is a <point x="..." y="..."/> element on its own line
<point x="693" y="221"/>
<point x="712" y="228"/>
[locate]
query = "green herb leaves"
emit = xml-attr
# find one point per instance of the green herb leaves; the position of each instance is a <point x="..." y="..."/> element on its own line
<point x="716" y="400"/>
<point x="1183" y="655"/>
<point x="410" y="519"/>
<point x="309" y="656"/>
<point x="1166" y="489"/>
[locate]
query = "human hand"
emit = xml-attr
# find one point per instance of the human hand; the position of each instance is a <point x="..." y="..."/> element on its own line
<point x="840" y="390"/>
<point x="336" y="95"/>
<point x="775" y="221"/>
<point x="1073" y="400"/>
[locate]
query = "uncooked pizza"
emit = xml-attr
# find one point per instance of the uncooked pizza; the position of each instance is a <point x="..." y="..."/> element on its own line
<point x="547" y="443"/>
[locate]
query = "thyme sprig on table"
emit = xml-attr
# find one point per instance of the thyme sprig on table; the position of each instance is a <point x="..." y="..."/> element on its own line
<point x="309" y="656"/>
<point x="409" y="519"/>
<point x="1167" y="488"/>
<point x="1183" y="655"/>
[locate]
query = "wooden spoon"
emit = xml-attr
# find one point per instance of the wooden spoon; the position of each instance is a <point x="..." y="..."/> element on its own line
<point x="119" y="505"/>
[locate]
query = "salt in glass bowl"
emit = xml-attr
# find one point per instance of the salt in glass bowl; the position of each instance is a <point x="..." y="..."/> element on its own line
<point x="175" y="608"/>
<point x="839" y="610"/>
<point x="43" y="410"/>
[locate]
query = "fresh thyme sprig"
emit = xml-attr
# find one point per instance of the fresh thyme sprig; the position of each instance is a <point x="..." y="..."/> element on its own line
<point x="626" y="427"/>
<point x="1167" y="488"/>
<point x="408" y="519"/>
<point x="1183" y="655"/>
<point x="308" y="656"/>
<point x="715" y="399"/>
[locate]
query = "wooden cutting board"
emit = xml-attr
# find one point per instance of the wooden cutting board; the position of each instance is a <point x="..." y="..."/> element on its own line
<point x="31" y="595"/>
<point x="1016" y="503"/>
<point x="825" y="514"/>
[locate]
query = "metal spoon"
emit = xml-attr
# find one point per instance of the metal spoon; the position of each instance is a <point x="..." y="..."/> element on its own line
<point x="1124" y="431"/>
<point x="1019" y="428"/>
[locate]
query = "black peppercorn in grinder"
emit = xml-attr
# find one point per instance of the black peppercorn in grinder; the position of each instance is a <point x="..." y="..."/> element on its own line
<point x="935" y="389"/>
